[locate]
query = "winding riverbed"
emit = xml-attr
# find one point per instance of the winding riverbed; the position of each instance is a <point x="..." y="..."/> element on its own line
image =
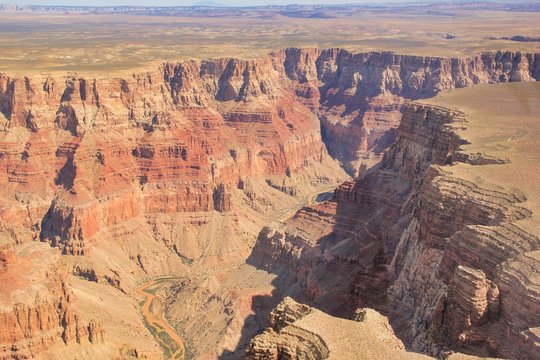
<point x="152" y="311"/>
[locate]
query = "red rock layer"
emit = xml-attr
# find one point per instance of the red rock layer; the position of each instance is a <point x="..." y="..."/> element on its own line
<point x="443" y="257"/>
<point x="36" y="304"/>
<point x="101" y="152"/>
<point x="87" y="154"/>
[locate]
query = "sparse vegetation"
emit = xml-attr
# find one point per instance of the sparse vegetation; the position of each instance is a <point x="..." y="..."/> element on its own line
<point x="172" y="349"/>
<point x="83" y="43"/>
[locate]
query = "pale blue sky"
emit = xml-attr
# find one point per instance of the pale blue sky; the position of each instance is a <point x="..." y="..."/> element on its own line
<point x="230" y="2"/>
<point x="191" y="2"/>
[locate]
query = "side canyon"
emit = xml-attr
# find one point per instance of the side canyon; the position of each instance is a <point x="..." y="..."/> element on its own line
<point x="213" y="173"/>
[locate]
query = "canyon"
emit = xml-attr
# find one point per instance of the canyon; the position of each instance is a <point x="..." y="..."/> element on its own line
<point x="442" y="237"/>
<point x="213" y="173"/>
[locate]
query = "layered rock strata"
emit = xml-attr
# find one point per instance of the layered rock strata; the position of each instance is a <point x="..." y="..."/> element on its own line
<point x="442" y="236"/>
<point x="297" y="331"/>
<point x="36" y="304"/>
<point x="89" y="154"/>
<point x="179" y="168"/>
<point x="180" y="139"/>
<point x="362" y="95"/>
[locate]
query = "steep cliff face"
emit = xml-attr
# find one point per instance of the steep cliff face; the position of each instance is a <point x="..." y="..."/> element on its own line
<point x="181" y="139"/>
<point x="89" y="154"/>
<point x="362" y="95"/>
<point x="36" y="304"/>
<point x="349" y="241"/>
<point x="187" y="162"/>
<point x="474" y="229"/>
<point x="434" y="237"/>
<point x="179" y="168"/>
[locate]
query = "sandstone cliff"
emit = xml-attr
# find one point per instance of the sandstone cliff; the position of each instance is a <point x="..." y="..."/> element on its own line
<point x="181" y="138"/>
<point x="362" y="95"/>
<point x="89" y="154"/>
<point x="176" y="170"/>
<point x="187" y="162"/>
<point x="36" y="304"/>
<point x="442" y="236"/>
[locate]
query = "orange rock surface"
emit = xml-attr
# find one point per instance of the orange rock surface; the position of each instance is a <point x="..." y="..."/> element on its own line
<point x="176" y="170"/>
<point x="443" y="236"/>
<point x="37" y="304"/>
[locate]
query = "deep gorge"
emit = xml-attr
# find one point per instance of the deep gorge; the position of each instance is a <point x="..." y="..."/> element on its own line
<point x="184" y="168"/>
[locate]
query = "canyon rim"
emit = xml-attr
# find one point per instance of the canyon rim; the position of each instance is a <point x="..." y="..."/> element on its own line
<point x="339" y="182"/>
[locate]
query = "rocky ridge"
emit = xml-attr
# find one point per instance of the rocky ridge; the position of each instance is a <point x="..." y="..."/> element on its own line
<point x="297" y="331"/>
<point x="450" y="258"/>
<point x="189" y="161"/>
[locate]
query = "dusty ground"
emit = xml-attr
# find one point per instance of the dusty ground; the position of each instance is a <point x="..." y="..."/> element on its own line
<point x="503" y="121"/>
<point x="105" y="43"/>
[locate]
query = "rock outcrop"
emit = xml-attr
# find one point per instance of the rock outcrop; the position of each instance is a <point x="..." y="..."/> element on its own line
<point x="442" y="236"/>
<point x="297" y="331"/>
<point x="36" y="304"/>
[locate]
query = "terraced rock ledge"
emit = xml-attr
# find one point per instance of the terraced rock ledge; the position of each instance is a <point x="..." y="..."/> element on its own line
<point x="191" y="168"/>
<point x="442" y="237"/>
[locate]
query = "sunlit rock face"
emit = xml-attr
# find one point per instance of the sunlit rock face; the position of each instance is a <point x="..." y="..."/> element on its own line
<point x="179" y="168"/>
<point x="433" y="237"/>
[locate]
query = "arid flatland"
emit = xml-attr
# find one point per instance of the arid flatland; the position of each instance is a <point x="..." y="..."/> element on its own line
<point x="85" y="41"/>
<point x="503" y="121"/>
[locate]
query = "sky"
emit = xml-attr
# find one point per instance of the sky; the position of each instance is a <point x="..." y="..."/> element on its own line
<point x="224" y="2"/>
<point x="189" y="2"/>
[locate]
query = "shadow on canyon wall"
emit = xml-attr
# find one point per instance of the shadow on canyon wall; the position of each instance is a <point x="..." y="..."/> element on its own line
<point x="262" y="305"/>
<point x="342" y="267"/>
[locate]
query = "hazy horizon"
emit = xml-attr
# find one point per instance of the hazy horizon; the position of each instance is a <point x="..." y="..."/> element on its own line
<point x="228" y="2"/>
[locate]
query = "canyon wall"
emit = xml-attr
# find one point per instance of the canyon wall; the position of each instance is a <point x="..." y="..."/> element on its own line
<point x="158" y="173"/>
<point x="86" y="155"/>
<point x="451" y="259"/>
<point x="89" y="154"/>
<point x="362" y="95"/>
<point x="178" y="169"/>
<point x="37" y="304"/>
